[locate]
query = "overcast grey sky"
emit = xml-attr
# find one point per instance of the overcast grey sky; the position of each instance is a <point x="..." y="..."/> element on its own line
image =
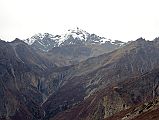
<point x="116" y="19"/>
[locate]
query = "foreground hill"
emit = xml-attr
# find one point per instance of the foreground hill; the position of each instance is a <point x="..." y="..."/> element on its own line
<point x="146" y="111"/>
<point x="127" y="96"/>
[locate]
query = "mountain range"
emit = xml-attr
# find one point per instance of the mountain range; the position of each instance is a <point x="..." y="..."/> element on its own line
<point x="72" y="47"/>
<point x="46" y="41"/>
<point x="79" y="76"/>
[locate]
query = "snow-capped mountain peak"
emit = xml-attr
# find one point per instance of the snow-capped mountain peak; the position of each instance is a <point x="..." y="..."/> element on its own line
<point x="75" y="36"/>
<point x="79" y="33"/>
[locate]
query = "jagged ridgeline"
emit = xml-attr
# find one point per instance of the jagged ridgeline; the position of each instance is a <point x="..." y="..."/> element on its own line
<point x="78" y="76"/>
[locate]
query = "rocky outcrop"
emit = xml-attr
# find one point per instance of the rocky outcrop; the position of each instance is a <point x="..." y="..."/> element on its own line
<point x="144" y="111"/>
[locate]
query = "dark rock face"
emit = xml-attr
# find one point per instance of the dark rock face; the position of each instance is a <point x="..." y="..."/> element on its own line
<point x="20" y="70"/>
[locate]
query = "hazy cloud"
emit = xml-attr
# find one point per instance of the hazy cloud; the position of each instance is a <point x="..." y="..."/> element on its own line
<point x="116" y="19"/>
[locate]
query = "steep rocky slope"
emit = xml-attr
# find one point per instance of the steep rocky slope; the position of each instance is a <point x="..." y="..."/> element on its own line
<point x="87" y="77"/>
<point x="21" y="74"/>
<point x="126" y="96"/>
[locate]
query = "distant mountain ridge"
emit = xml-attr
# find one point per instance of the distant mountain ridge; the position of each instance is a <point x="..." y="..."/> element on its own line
<point x="47" y="41"/>
<point x="72" y="47"/>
